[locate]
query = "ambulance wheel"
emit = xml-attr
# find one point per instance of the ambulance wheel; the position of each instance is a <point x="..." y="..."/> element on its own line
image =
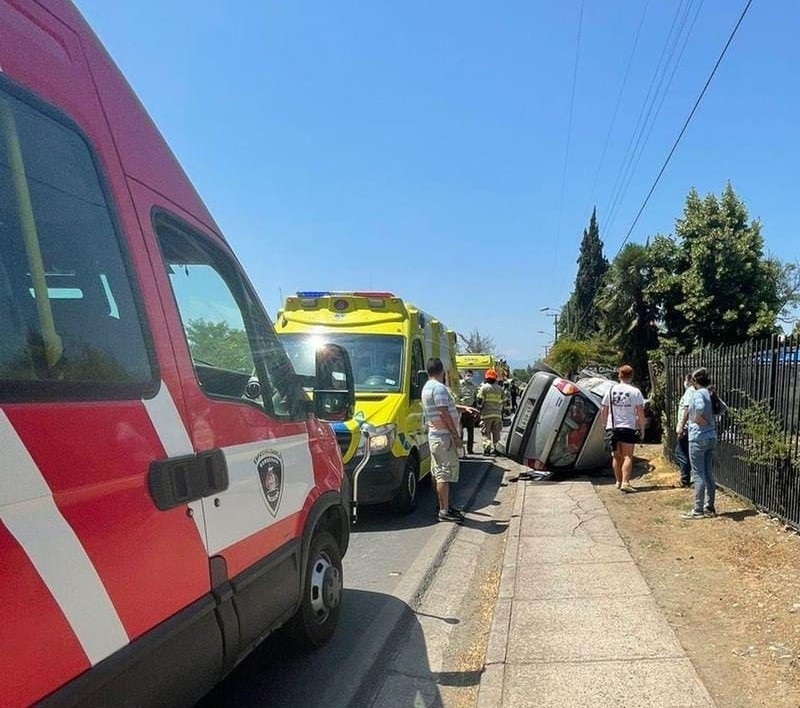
<point x="406" y="499"/>
<point x="315" y="621"/>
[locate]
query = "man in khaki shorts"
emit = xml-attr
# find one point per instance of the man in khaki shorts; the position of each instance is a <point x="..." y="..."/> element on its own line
<point x="441" y="418"/>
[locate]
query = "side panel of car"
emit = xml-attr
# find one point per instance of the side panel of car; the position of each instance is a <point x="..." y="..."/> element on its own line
<point x="79" y="530"/>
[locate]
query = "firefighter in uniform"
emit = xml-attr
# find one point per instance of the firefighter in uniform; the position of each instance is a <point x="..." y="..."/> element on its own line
<point x="466" y="397"/>
<point x="490" y="403"/>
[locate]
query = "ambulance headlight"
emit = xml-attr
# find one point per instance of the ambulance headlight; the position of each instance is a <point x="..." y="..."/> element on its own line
<point x="382" y="439"/>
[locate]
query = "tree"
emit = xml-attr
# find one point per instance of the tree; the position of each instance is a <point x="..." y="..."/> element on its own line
<point x="579" y="318"/>
<point x="712" y="283"/>
<point x="522" y="375"/>
<point x="569" y="356"/>
<point x="627" y="313"/>
<point x="218" y="344"/>
<point x="476" y="343"/>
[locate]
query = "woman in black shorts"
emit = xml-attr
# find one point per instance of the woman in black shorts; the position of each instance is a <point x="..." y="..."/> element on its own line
<point x="622" y="410"/>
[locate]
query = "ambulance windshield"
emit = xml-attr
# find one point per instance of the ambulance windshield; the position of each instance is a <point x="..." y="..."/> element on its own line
<point x="377" y="359"/>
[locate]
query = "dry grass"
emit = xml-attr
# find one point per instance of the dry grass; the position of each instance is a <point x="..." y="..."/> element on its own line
<point x="730" y="586"/>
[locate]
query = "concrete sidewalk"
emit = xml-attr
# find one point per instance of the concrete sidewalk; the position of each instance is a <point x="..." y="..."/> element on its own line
<point x="575" y="623"/>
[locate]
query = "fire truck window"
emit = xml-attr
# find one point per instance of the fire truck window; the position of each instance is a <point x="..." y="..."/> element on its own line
<point x="70" y="323"/>
<point x="234" y="349"/>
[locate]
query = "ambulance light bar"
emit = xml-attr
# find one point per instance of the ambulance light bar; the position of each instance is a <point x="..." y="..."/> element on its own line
<point x="344" y="293"/>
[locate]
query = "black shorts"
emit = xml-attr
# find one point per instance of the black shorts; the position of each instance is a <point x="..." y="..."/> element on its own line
<point x="626" y="435"/>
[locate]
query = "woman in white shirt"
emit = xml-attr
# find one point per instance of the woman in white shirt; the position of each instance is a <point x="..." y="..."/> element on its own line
<point x="622" y="409"/>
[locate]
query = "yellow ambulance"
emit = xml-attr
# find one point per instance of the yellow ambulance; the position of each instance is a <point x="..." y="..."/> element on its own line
<point x="389" y="341"/>
<point x="478" y="364"/>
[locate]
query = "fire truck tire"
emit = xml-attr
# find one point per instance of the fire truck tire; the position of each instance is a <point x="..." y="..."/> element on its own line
<point x="315" y="620"/>
<point x="406" y="499"/>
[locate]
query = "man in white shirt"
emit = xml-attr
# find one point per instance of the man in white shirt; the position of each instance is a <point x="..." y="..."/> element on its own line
<point x="622" y="409"/>
<point x="441" y="418"/>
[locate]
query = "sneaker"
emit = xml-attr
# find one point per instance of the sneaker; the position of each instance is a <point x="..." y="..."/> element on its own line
<point x="710" y="511"/>
<point x="454" y="511"/>
<point x="619" y="485"/>
<point x="693" y="514"/>
<point x="627" y="487"/>
<point x="448" y="516"/>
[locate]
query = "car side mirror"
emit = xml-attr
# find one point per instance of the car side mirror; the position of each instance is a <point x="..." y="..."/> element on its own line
<point x="416" y="385"/>
<point x="334" y="386"/>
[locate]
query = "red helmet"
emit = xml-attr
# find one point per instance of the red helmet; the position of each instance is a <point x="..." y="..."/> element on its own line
<point x="490" y="374"/>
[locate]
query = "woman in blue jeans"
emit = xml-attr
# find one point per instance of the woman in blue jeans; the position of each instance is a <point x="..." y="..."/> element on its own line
<point x="702" y="434"/>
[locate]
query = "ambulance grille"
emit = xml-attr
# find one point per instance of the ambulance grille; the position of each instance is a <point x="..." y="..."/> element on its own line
<point x="343" y="438"/>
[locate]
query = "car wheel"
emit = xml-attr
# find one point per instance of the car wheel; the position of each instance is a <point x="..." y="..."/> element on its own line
<point x="315" y="621"/>
<point x="406" y="499"/>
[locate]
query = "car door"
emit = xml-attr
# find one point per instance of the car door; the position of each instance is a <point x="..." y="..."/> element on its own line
<point x="244" y="404"/>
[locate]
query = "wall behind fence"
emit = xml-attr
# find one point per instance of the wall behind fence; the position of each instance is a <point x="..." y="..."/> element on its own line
<point x="758" y="370"/>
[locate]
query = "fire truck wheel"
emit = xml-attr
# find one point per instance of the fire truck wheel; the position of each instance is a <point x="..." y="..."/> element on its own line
<point x="315" y="621"/>
<point x="406" y="499"/>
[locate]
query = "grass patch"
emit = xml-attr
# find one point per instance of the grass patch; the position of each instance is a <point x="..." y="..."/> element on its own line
<point x="654" y="544"/>
<point x="676" y="501"/>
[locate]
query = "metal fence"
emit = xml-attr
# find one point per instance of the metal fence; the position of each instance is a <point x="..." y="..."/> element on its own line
<point x="756" y="371"/>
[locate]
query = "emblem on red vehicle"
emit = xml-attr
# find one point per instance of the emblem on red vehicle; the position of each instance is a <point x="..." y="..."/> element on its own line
<point x="270" y="472"/>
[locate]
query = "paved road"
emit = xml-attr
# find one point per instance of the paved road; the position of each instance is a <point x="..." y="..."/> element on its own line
<point x="383" y="548"/>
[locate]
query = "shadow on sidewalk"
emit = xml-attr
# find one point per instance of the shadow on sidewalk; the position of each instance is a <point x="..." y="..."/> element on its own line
<point x="738" y="515"/>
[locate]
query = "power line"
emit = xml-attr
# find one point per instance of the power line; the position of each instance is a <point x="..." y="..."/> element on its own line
<point x="649" y="128"/>
<point x="635" y="145"/>
<point x="569" y="130"/>
<point x="619" y="100"/>
<point x="686" y="123"/>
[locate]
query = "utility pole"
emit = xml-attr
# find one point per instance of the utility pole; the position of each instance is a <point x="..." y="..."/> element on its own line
<point x="554" y="313"/>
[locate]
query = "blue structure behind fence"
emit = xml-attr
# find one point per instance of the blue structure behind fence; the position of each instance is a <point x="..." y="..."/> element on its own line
<point x="758" y="370"/>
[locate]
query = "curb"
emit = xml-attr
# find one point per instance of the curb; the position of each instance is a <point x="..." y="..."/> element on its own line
<point x="409" y="591"/>
<point x="490" y="690"/>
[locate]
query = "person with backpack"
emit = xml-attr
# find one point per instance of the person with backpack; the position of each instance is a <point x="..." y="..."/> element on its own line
<point x="700" y="422"/>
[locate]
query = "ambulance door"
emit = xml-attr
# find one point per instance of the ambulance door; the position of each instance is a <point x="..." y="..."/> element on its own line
<point x="416" y="424"/>
<point x="245" y="406"/>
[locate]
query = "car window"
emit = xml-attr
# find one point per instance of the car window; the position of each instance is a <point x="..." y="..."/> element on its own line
<point x="572" y="432"/>
<point x="70" y="323"/>
<point x="234" y="349"/>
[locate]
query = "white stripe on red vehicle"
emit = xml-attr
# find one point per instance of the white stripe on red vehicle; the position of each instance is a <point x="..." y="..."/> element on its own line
<point x="175" y="440"/>
<point x="243" y="509"/>
<point x="29" y="512"/>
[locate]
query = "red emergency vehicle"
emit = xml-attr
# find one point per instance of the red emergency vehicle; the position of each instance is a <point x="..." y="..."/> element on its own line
<point x="169" y="495"/>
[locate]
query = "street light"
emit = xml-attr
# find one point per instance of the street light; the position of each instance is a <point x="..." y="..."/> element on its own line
<point x="555" y="316"/>
<point x="546" y="347"/>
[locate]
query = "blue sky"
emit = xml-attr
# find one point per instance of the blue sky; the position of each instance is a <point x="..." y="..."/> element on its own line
<point x="420" y="147"/>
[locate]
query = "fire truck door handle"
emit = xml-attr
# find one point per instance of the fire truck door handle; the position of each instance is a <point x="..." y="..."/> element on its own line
<point x="180" y="480"/>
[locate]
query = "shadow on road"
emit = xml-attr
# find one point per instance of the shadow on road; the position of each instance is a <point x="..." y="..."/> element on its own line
<point x="380" y="517"/>
<point x="405" y="678"/>
<point x="276" y="675"/>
